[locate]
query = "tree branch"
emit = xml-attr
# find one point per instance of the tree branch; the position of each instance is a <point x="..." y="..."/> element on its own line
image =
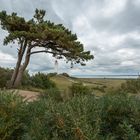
<point x="42" y="44"/>
<point x="46" y="51"/>
<point x="41" y="52"/>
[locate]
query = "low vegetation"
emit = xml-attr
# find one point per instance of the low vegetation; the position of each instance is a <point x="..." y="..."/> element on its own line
<point x="81" y="115"/>
<point x="131" y="86"/>
<point x="78" y="89"/>
<point x="111" y="117"/>
<point x="39" y="80"/>
<point x="5" y="75"/>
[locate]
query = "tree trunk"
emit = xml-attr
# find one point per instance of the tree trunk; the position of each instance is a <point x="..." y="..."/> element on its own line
<point x="16" y="70"/>
<point x="22" y="69"/>
<point x="18" y="80"/>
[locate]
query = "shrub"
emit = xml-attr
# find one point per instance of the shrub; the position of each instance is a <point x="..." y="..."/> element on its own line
<point x="111" y="117"/>
<point x="131" y="86"/>
<point x="99" y="88"/>
<point x="26" y="79"/>
<point x="78" y="89"/>
<point x="53" y="93"/>
<point x="12" y="118"/>
<point x="5" y="75"/>
<point x="41" y="80"/>
<point x="65" y="74"/>
<point x="119" y="113"/>
<point x="72" y="120"/>
<point x="52" y="74"/>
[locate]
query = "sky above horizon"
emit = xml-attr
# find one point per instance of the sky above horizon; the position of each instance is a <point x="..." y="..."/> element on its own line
<point x="110" y="29"/>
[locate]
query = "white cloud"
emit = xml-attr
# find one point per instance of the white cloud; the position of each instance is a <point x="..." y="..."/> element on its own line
<point x="6" y="57"/>
<point x="6" y="60"/>
<point x="113" y="7"/>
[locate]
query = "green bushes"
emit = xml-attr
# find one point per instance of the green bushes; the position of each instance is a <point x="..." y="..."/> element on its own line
<point x="26" y="79"/>
<point x="5" y="75"/>
<point x="78" y="89"/>
<point x="120" y="116"/>
<point x="99" y="88"/>
<point x="82" y="117"/>
<point x="12" y="119"/>
<point x="41" y="80"/>
<point x="52" y="93"/>
<point x="131" y="86"/>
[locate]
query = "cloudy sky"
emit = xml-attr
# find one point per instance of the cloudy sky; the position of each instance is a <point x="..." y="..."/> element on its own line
<point x="110" y="29"/>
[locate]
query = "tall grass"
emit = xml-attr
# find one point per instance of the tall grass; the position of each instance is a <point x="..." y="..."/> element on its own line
<point x="131" y="86"/>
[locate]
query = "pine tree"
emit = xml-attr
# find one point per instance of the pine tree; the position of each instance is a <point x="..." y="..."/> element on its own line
<point x="52" y="38"/>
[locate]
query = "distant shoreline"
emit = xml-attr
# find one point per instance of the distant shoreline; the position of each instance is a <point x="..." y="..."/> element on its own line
<point x="107" y="76"/>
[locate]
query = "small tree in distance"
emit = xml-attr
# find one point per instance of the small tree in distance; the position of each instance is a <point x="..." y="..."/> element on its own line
<point x="51" y="38"/>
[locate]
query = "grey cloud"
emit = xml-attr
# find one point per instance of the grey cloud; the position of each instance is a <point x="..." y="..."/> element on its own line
<point x="86" y="19"/>
<point x="131" y="43"/>
<point x="26" y="8"/>
<point x="125" y="21"/>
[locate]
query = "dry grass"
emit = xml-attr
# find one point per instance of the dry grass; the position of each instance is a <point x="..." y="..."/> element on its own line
<point x="63" y="83"/>
<point x="103" y="82"/>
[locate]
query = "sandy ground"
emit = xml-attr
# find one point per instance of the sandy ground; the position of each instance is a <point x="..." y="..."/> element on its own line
<point x="28" y="95"/>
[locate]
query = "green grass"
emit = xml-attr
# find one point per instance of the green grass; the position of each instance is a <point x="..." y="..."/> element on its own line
<point x="99" y="86"/>
<point x="62" y="82"/>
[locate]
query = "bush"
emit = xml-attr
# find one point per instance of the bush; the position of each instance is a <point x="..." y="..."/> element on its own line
<point x="65" y="74"/>
<point x="131" y="86"/>
<point x="12" y="119"/>
<point x="120" y="113"/>
<point x="64" y="120"/>
<point x="78" y="89"/>
<point x="26" y="79"/>
<point x="41" y="80"/>
<point x="5" y="75"/>
<point x="52" y="74"/>
<point x="53" y="93"/>
<point x="99" y="88"/>
<point x="111" y="117"/>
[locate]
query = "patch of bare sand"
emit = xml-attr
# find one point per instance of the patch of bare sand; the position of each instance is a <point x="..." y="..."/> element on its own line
<point x="28" y="95"/>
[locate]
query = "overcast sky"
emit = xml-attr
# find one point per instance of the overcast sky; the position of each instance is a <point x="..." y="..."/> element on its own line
<point x="110" y="29"/>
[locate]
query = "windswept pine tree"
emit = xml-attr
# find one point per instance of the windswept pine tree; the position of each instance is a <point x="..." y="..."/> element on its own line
<point x="51" y="38"/>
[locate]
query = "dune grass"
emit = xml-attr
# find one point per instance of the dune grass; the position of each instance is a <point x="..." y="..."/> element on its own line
<point x="99" y="86"/>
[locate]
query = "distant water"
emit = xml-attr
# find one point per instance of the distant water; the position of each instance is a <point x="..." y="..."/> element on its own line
<point x="108" y="76"/>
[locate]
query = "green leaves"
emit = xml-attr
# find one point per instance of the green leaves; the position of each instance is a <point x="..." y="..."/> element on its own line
<point x="37" y="32"/>
<point x="39" y="15"/>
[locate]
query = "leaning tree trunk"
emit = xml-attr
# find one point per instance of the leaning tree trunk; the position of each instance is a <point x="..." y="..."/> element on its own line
<point x="15" y="73"/>
<point x="18" y="80"/>
<point x="22" y="68"/>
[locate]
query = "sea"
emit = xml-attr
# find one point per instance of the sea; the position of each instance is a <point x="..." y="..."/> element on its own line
<point x="108" y="76"/>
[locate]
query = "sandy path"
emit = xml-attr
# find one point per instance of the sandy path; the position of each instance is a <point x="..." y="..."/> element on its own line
<point x="28" y="95"/>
